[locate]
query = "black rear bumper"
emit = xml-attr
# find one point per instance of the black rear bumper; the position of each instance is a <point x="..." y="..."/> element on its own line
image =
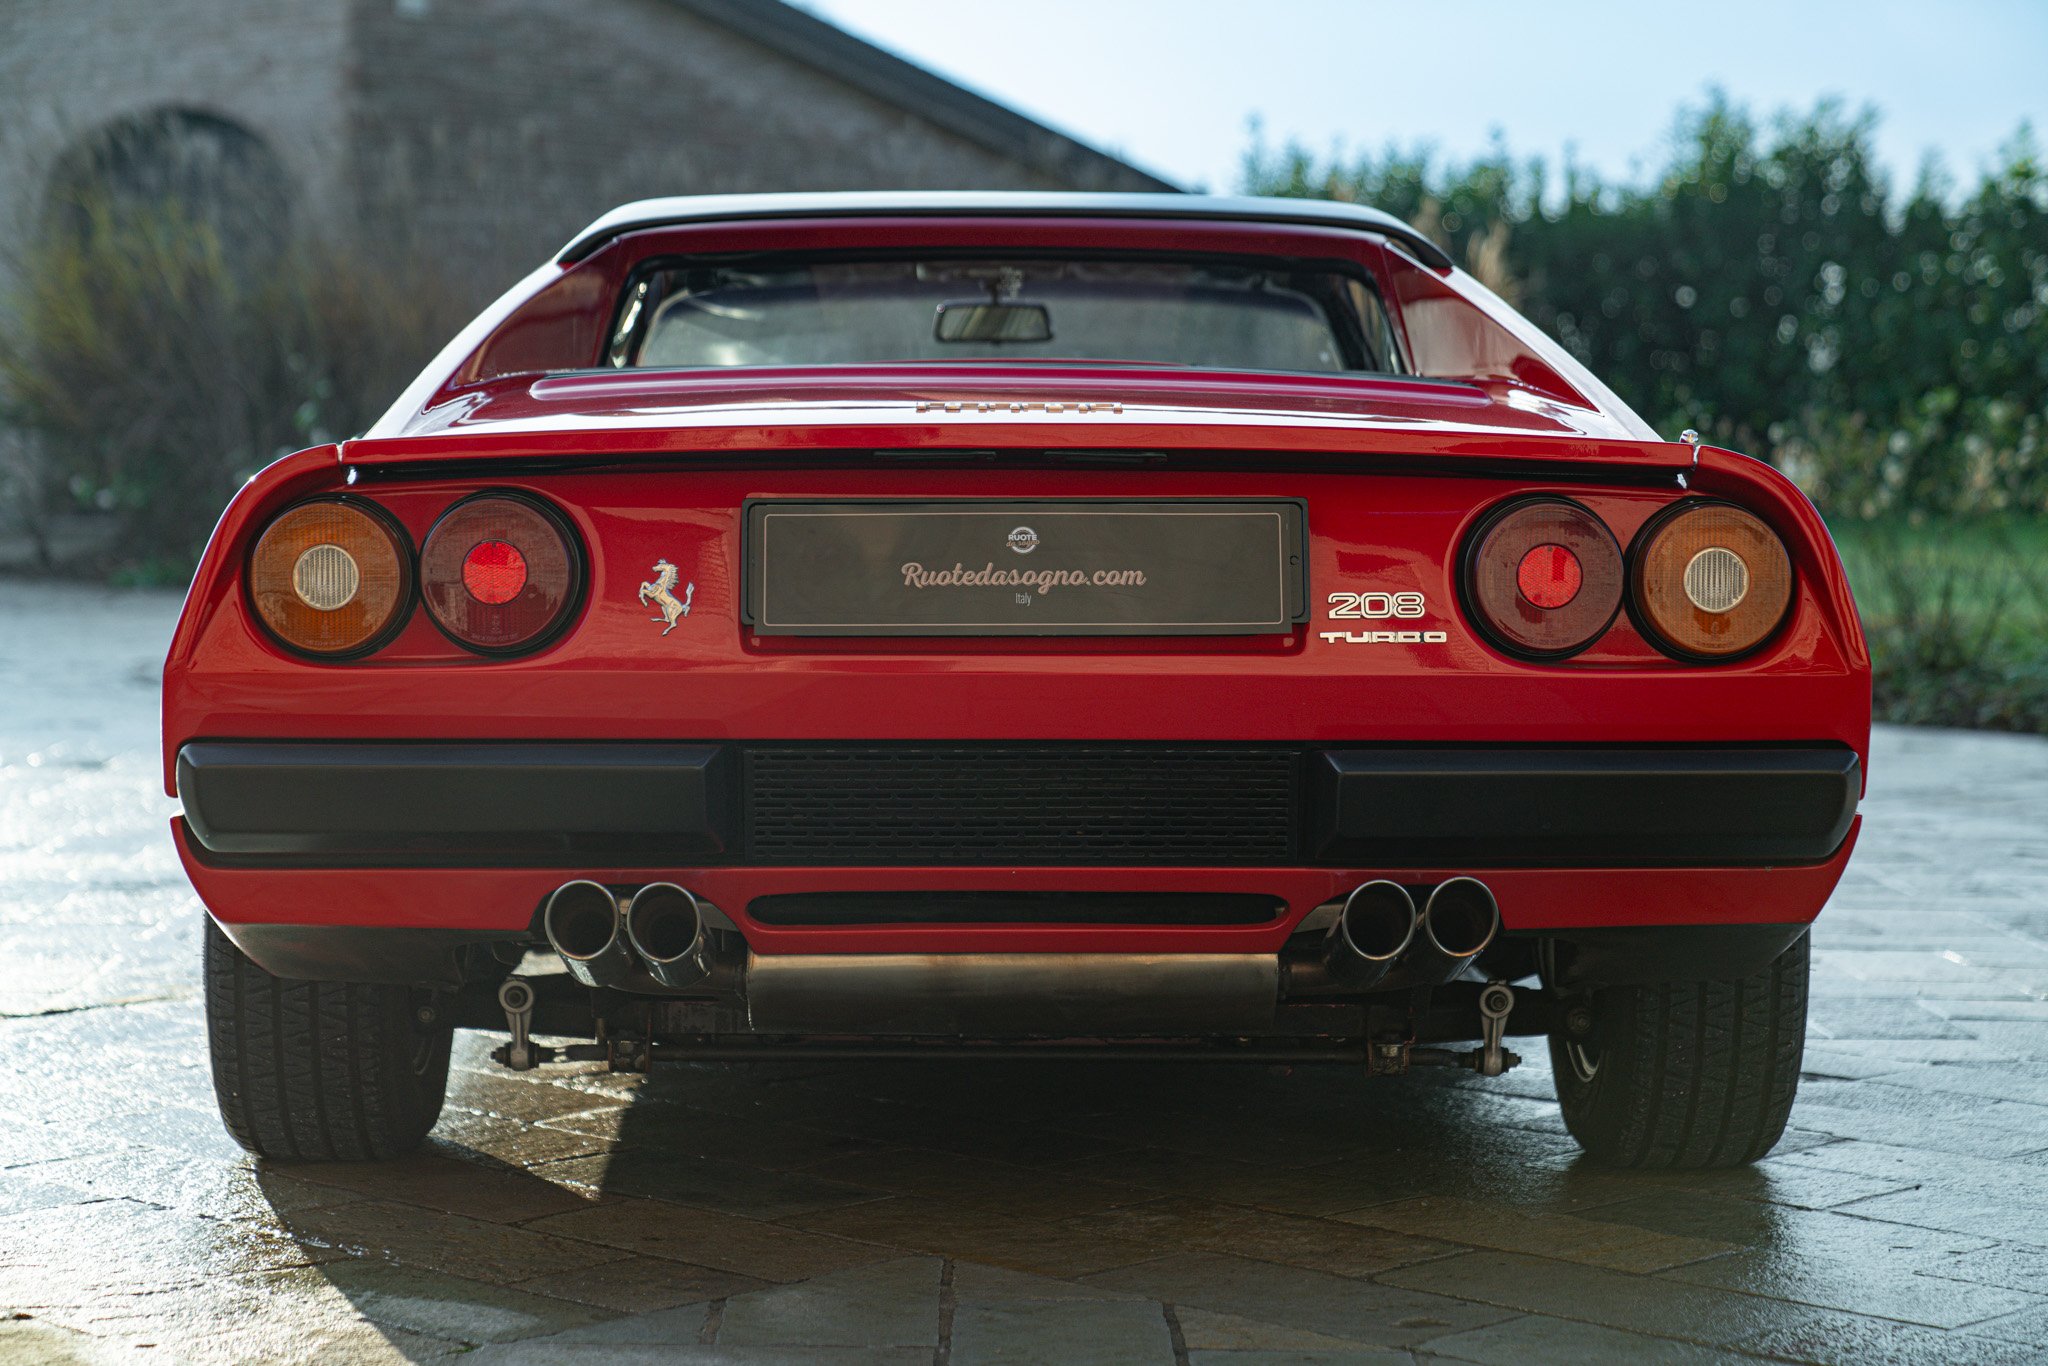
<point x="516" y="803"/>
<point x="1499" y="808"/>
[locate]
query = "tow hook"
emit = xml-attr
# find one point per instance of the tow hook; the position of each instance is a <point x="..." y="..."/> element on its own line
<point x="1495" y="1001"/>
<point x="522" y="1054"/>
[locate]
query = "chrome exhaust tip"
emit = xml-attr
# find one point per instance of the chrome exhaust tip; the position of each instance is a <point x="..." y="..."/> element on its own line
<point x="1372" y="930"/>
<point x="583" y="926"/>
<point x="1461" y="917"/>
<point x="665" y="927"/>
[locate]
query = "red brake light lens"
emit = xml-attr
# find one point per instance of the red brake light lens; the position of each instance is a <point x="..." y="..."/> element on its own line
<point x="1544" y="577"/>
<point x="494" y="572"/>
<point x="1549" y="576"/>
<point x="500" y="573"/>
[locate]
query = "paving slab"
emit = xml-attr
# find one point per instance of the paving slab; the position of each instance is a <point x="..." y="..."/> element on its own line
<point x="640" y="1285"/>
<point x="411" y="1235"/>
<point x="2028" y="1327"/>
<point x="1017" y="1241"/>
<point x="1572" y="1238"/>
<point x="889" y="1304"/>
<point x="1612" y="1299"/>
<point x="1323" y="1244"/>
<point x="1095" y="1333"/>
<point x="1851" y="1340"/>
<point x="708" y="1238"/>
<point x="1204" y="1330"/>
<point x="707" y="1183"/>
<point x="1342" y="1356"/>
<point x="610" y="1354"/>
<point x="1536" y="1340"/>
<point x="1380" y="1313"/>
<point x="497" y="1195"/>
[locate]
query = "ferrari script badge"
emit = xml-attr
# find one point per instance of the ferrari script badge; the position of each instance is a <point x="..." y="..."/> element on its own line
<point x="660" y="593"/>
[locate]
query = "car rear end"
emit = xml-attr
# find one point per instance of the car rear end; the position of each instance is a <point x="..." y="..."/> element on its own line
<point x="1070" y="709"/>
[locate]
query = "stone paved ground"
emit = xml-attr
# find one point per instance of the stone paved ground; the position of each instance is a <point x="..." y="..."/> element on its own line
<point x="967" y="1214"/>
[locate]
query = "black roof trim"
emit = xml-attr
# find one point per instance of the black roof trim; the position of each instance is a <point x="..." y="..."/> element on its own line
<point x="882" y="74"/>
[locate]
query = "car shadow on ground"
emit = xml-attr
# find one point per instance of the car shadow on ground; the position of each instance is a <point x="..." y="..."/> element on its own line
<point x="549" y="1202"/>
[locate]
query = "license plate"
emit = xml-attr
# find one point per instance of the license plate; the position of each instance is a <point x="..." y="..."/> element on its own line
<point x="1095" y="567"/>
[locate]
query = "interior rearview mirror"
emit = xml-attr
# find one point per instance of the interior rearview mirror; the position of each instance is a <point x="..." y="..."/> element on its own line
<point x="980" y="320"/>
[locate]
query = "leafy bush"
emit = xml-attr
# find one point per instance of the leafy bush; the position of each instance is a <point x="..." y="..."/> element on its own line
<point x="1770" y="289"/>
<point x="146" y="370"/>
<point x="1957" y="618"/>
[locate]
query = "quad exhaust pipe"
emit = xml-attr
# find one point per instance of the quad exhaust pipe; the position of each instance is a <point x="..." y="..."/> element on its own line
<point x="665" y="926"/>
<point x="1380" y="939"/>
<point x="582" y="923"/>
<point x="1461" y="918"/>
<point x="1373" y="929"/>
<point x="658" y="929"/>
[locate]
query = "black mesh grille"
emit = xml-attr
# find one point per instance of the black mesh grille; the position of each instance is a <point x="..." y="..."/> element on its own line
<point x="1033" y="804"/>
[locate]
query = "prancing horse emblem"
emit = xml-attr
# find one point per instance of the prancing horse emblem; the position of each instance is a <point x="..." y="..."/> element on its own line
<point x="673" y="609"/>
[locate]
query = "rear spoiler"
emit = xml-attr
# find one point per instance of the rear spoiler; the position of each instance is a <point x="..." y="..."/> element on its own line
<point x="929" y="434"/>
<point x="691" y="209"/>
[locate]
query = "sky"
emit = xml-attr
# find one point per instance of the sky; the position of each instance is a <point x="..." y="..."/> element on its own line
<point x="1173" y="84"/>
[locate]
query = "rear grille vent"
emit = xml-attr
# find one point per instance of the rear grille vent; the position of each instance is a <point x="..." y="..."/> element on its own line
<point x="1024" y="804"/>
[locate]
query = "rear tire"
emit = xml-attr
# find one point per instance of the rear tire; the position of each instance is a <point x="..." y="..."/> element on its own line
<point x="320" y="1071"/>
<point x="1687" y="1075"/>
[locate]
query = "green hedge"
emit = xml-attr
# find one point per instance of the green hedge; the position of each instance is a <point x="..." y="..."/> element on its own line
<point x="1772" y="290"/>
<point x="1957" y="617"/>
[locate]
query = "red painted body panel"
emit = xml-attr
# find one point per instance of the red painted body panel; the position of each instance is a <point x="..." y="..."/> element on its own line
<point x="650" y="465"/>
<point x="611" y="677"/>
<point x="504" y="899"/>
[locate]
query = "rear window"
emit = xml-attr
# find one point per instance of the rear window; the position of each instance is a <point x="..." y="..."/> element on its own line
<point x="1204" y="314"/>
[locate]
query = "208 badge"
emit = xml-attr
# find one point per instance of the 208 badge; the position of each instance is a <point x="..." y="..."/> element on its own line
<point x="1376" y="606"/>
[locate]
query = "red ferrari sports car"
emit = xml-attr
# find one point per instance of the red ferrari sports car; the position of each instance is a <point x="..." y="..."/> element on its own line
<point x="1079" y="626"/>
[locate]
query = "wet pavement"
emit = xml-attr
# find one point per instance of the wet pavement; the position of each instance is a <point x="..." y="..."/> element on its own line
<point x="1020" y="1213"/>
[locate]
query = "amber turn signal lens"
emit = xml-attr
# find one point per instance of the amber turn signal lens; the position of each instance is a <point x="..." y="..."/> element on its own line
<point x="1710" y="580"/>
<point x="499" y="573"/>
<point x="331" y="577"/>
<point x="1544" y="577"/>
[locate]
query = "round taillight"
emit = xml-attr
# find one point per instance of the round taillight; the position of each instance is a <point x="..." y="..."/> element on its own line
<point x="500" y="573"/>
<point x="332" y="577"/>
<point x="1709" y="580"/>
<point x="1543" y="577"/>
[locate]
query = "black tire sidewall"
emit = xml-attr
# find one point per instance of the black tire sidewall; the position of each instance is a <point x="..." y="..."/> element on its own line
<point x="1661" y="1050"/>
<point x="375" y="1075"/>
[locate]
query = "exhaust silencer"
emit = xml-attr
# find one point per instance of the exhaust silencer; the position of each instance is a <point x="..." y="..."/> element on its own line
<point x="1374" y="928"/>
<point x="665" y="926"/>
<point x="583" y="926"/>
<point x="1032" y="995"/>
